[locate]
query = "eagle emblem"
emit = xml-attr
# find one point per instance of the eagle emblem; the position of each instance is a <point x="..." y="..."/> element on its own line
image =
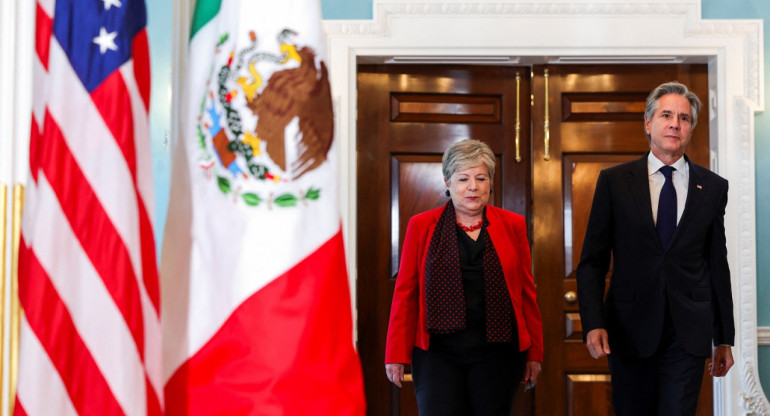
<point x="266" y="120"/>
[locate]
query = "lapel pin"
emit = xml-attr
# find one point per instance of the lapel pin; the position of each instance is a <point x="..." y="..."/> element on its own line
<point x="698" y="186"/>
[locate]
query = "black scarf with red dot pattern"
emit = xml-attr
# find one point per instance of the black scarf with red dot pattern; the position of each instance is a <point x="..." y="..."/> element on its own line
<point x="444" y="287"/>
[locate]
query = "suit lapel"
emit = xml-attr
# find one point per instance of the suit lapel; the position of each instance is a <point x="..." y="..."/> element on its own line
<point x="639" y="186"/>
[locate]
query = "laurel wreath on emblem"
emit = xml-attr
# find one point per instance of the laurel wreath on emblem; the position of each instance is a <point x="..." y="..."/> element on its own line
<point x="243" y="120"/>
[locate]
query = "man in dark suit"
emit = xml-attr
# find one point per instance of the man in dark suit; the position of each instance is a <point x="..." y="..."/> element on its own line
<point x="660" y="221"/>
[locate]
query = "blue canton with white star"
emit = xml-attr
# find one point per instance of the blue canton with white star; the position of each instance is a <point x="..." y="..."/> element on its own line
<point x="78" y="23"/>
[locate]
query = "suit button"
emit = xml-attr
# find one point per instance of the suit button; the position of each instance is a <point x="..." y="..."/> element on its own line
<point x="662" y="291"/>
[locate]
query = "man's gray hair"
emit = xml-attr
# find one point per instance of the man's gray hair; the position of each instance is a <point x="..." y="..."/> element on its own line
<point x="672" y="87"/>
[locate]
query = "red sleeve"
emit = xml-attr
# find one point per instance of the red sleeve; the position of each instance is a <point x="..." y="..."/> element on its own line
<point x="404" y="309"/>
<point x="529" y="295"/>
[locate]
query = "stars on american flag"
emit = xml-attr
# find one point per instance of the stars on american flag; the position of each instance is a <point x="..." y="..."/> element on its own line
<point x="106" y="40"/>
<point x="110" y="3"/>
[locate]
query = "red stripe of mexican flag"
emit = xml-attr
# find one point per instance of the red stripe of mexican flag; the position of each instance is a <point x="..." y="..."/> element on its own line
<point x="284" y="351"/>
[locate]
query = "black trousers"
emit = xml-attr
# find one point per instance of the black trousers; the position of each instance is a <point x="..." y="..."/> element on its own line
<point x="666" y="383"/>
<point x="477" y="381"/>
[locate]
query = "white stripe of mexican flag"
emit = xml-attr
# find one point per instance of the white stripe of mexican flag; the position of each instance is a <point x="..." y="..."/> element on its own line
<point x="257" y="313"/>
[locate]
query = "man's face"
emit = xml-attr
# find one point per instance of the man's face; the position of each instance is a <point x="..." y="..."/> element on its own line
<point x="670" y="127"/>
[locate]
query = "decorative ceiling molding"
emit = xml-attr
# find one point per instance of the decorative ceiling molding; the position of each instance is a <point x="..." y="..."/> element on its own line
<point x="385" y="11"/>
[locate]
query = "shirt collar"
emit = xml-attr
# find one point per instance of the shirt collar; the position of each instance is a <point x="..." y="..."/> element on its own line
<point x="654" y="164"/>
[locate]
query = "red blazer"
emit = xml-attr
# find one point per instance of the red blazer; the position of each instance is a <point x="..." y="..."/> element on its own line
<point x="408" y="319"/>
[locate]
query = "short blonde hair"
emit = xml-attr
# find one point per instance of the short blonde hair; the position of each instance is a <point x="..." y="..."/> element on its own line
<point x="466" y="154"/>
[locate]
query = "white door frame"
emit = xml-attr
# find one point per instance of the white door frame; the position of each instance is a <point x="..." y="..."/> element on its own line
<point x="591" y="31"/>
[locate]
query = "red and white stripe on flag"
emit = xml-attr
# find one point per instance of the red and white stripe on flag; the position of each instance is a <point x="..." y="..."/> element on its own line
<point x="88" y="281"/>
<point x="261" y="314"/>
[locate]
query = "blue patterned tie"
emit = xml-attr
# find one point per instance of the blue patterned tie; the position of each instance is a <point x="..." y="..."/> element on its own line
<point x="667" y="208"/>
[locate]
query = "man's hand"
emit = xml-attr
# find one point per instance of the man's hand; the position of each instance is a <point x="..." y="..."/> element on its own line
<point x="721" y="360"/>
<point x="395" y="373"/>
<point x="598" y="343"/>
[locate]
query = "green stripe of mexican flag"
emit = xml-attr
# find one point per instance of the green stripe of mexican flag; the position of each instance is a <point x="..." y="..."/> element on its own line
<point x="205" y="10"/>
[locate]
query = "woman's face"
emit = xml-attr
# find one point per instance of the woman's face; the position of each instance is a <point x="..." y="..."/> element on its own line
<point x="469" y="189"/>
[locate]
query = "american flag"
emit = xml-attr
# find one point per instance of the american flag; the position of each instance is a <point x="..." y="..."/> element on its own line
<point x="88" y="282"/>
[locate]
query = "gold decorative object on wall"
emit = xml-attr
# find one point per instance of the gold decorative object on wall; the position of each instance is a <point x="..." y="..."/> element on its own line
<point x="15" y="321"/>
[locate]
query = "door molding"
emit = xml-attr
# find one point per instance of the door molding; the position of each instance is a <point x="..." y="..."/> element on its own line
<point x="599" y="31"/>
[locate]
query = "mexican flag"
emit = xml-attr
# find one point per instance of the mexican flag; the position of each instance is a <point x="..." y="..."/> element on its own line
<point x="256" y="311"/>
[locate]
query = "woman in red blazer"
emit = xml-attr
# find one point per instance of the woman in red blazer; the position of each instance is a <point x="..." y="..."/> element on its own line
<point x="464" y="312"/>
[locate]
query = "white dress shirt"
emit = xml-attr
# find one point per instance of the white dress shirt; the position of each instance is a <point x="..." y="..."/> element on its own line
<point x="680" y="177"/>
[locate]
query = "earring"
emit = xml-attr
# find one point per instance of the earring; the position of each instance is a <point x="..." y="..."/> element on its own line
<point x="447" y="192"/>
<point x="491" y="191"/>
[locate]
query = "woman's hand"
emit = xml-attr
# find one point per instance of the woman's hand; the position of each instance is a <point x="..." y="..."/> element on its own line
<point x="395" y="373"/>
<point x="531" y="371"/>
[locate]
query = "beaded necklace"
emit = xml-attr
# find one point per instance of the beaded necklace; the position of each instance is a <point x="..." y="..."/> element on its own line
<point x="472" y="227"/>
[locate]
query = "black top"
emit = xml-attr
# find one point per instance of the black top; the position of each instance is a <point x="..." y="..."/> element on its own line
<point x="474" y="334"/>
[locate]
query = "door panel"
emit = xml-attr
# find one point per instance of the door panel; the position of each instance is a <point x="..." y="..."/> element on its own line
<point x="416" y="181"/>
<point x="408" y="116"/>
<point x="580" y="174"/>
<point x="593" y="120"/>
<point x="588" y="394"/>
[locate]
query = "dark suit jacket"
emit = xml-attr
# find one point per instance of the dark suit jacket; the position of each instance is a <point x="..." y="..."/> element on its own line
<point x="408" y="317"/>
<point x="692" y="273"/>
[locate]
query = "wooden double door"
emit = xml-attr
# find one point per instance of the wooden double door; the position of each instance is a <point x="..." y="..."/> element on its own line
<point x="552" y="128"/>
